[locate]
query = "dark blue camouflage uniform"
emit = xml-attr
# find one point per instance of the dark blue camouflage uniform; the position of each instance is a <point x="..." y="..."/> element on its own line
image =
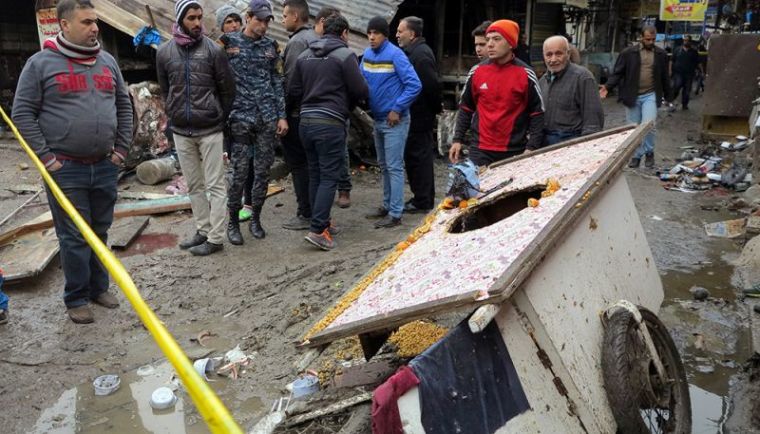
<point x="259" y="103"/>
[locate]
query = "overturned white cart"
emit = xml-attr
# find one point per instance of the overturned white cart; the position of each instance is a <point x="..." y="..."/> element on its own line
<point x="552" y="278"/>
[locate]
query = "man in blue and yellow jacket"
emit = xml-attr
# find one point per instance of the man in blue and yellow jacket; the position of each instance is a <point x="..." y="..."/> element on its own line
<point x="393" y="87"/>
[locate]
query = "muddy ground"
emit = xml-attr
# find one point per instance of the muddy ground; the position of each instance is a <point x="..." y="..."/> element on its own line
<point x="266" y="294"/>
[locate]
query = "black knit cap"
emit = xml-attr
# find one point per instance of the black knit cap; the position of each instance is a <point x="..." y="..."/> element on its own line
<point x="379" y="25"/>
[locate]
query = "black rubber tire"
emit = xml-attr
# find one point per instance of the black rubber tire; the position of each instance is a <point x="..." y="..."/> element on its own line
<point x="628" y="375"/>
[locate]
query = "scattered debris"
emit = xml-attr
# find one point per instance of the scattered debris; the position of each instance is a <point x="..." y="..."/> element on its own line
<point x="333" y="408"/>
<point x="276" y="415"/>
<point x="305" y="385"/>
<point x="726" y="229"/>
<point x="162" y="398"/>
<point x="201" y="336"/>
<point x="152" y="172"/>
<point x="699" y="293"/>
<point x="106" y="384"/>
<point x="23" y="166"/>
<point x="234" y="362"/>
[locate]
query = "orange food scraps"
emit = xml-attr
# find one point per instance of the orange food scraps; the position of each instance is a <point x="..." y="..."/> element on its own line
<point x="533" y="202"/>
<point x="414" y="338"/>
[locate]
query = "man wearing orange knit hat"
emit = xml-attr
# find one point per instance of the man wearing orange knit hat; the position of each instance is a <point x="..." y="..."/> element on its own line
<point x="501" y="102"/>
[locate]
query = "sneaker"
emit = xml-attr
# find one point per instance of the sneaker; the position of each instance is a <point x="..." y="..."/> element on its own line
<point x="324" y="240"/>
<point x="334" y="230"/>
<point x="106" y="300"/>
<point x="196" y="240"/>
<point x="297" y="223"/>
<point x="634" y="163"/>
<point x="410" y="208"/>
<point x="388" y="222"/>
<point x="245" y="213"/>
<point x="378" y="213"/>
<point x="649" y="161"/>
<point x="344" y="199"/>
<point x="206" y="249"/>
<point x="3" y="316"/>
<point x="81" y="314"/>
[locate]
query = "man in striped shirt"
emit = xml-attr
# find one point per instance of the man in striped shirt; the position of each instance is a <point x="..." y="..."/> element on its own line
<point x="501" y="103"/>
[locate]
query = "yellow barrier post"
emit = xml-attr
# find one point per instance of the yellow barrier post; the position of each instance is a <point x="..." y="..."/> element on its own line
<point x="209" y="405"/>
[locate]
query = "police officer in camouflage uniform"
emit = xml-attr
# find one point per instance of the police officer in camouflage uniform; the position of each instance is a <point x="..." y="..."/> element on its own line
<point x="258" y="114"/>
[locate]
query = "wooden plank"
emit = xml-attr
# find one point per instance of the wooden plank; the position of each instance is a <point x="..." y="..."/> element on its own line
<point x="521" y="267"/>
<point x="143" y="195"/>
<point x="29" y="254"/>
<point x="121" y="235"/>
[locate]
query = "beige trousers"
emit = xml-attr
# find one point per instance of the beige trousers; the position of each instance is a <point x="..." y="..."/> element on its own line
<point x="202" y="165"/>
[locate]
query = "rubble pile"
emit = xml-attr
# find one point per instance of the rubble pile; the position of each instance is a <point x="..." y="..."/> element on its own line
<point x="726" y="165"/>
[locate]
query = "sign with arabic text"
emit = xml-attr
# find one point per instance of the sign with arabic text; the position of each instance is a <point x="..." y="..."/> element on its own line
<point x="683" y="10"/>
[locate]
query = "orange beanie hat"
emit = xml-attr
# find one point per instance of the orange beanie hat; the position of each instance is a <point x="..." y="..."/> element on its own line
<point x="509" y="29"/>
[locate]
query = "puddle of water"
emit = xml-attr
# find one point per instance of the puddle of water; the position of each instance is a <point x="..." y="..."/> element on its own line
<point x="708" y="411"/>
<point x="126" y="410"/>
<point x="149" y="243"/>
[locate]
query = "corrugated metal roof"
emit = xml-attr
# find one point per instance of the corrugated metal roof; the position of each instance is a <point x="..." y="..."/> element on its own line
<point x="130" y="15"/>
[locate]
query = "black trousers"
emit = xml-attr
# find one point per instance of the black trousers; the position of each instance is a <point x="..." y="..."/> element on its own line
<point x="295" y="158"/>
<point x="682" y="83"/>
<point x="418" y="160"/>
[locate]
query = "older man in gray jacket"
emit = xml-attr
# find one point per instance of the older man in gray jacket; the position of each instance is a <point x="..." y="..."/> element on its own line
<point x="198" y="86"/>
<point x="73" y="109"/>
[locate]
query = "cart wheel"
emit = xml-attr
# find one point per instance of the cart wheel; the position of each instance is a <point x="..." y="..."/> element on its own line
<point x="640" y="400"/>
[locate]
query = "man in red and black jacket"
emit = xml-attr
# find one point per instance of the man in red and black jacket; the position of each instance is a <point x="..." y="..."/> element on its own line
<point x="501" y="103"/>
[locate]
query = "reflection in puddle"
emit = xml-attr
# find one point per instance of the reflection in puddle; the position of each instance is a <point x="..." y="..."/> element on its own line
<point x="708" y="411"/>
<point x="126" y="410"/>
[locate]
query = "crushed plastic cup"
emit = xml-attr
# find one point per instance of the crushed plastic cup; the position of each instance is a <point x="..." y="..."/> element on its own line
<point x="146" y="370"/>
<point x="162" y="398"/>
<point x="305" y="385"/>
<point x="106" y="384"/>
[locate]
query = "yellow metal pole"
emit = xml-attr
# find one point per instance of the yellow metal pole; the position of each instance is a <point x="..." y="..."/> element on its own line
<point x="209" y="405"/>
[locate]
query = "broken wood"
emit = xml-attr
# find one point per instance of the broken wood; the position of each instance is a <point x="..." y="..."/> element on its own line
<point x="365" y="373"/>
<point x="121" y="235"/>
<point x="333" y="408"/>
<point x="29" y="254"/>
<point x="143" y="195"/>
<point x="308" y="357"/>
<point x="482" y="317"/>
<point x="16" y="211"/>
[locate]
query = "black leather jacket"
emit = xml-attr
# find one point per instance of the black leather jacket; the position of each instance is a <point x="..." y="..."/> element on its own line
<point x="197" y="85"/>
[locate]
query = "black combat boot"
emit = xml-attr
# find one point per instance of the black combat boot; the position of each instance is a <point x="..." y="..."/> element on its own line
<point x="255" y="227"/>
<point x="233" y="229"/>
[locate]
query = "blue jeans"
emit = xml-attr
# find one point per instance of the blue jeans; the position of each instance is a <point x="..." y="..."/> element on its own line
<point x="552" y="137"/>
<point x="645" y="110"/>
<point x="91" y="188"/>
<point x="389" y="144"/>
<point x="325" y="144"/>
<point x="3" y="297"/>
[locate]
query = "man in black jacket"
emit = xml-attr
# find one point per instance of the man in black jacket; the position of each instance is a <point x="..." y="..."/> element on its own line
<point x="418" y="153"/>
<point x="641" y="71"/>
<point x="685" y="64"/>
<point x="198" y="87"/>
<point x="328" y="84"/>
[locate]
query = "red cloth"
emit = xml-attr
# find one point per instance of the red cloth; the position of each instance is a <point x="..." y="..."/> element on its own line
<point x="385" y="415"/>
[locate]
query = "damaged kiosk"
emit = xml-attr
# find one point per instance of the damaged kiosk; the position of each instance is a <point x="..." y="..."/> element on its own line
<point x="554" y="267"/>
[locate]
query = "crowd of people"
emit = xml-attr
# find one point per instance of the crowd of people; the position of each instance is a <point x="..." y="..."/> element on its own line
<point x="234" y="98"/>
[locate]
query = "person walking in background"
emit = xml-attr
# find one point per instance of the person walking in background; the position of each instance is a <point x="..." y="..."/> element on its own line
<point x="571" y="97"/>
<point x="198" y="87"/>
<point x="73" y="109"/>
<point x="685" y="64"/>
<point x="501" y="103"/>
<point x="393" y="87"/>
<point x="258" y="114"/>
<point x="328" y="83"/>
<point x="418" y="152"/>
<point x="295" y="19"/>
<point x="641" y="71"/>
